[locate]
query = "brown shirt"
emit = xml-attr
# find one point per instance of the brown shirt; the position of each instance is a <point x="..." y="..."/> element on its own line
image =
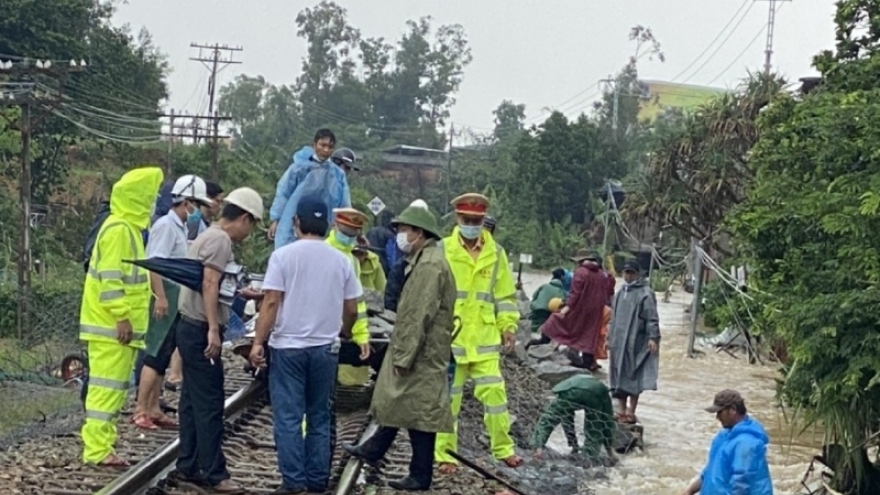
<point x="214" y="249"/>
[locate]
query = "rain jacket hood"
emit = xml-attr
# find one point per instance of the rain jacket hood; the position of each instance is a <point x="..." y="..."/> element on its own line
<point x="134" y="195"/>
<point x="737" y="462"/>
<point x="306" y="177"/>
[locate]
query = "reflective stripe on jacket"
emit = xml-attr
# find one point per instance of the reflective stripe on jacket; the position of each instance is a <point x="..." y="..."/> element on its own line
<point x="360" y="333"/>
<point x="115" y="291"/>
<point x="485" y="298"/>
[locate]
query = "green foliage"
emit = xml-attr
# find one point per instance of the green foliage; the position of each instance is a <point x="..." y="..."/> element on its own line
<point x="696" y="170"/>
<point x="54" y="292"/>
<point x="809" y="231"/>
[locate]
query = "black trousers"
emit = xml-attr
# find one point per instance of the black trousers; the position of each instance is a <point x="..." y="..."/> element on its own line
<point x="421" y="465"/>
<point x="201" y="407"/>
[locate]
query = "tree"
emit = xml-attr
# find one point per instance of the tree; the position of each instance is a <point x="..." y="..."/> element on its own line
<point x="509" y="120"/>
<point x="808" y="228"/>
<point x="696" y="170"/>
<point x="560" y="156"/>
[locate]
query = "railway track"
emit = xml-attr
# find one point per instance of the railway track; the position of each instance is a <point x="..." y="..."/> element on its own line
<point x="52" y="466"/>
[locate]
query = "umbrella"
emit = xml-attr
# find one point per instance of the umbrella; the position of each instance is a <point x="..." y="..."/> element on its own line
<point x="184" y="271"/>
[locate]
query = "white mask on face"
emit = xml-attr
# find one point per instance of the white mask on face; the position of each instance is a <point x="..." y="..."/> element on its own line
<point x="403" y="242"/>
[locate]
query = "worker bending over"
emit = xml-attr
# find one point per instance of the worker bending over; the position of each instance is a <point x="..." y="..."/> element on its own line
<point x="486" y="305"/>
<point x="580" y="392"/>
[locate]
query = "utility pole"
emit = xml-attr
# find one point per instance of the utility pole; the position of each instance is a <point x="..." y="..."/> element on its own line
<point x="449" y="168"/>
<point x="771" y="25"/>
<point x="22" y="94"/>
<point x="698" y="296"/>
<point x="170" y="142"/>
<point x="215" y="63"/>
<point x="616" y="103"/>
<point x="193" y="127"/>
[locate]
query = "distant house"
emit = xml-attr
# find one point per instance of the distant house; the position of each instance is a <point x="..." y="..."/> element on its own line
<point x="413" y="167"/>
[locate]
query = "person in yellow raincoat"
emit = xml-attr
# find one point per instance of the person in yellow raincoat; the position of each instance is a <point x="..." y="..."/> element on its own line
<point x="348" y="226"/>
<point x="486" y="305"/>
<point x="115" y="310"/>
<point x="372" y="274"/>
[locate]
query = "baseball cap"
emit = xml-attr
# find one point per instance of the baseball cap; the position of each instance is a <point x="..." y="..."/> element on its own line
<point x="631" y="265"/>
<point x="725" y="399"/>
<point x="312" y="207"/>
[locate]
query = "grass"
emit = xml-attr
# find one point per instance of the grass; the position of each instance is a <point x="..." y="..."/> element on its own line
<point x="25" y="403"/>
<point x="29" y="386"/>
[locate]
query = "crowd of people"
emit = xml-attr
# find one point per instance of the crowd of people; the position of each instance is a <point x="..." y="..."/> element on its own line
<point x="456" y="313"/>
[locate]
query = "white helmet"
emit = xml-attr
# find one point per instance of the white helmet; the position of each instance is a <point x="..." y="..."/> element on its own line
<point x="419" y="203"/>
<point x="248" y="200"/>
<point x="192" y="187"/>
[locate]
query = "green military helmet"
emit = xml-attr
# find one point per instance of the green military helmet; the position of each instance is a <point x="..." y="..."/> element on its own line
<point x="419" y="217"/>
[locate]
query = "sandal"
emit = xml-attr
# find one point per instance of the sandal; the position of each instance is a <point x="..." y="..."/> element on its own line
<point x="165" y="422"/>
<point x="447" y="468"/>
<point x="114" y="462"/>
<point x="514" y="461"/>
<point x="142" y="421"/>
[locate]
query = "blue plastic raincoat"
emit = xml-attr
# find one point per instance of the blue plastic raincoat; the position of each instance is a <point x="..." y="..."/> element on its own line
<point x="306" y="176"/>
<point x="738" y="462"/>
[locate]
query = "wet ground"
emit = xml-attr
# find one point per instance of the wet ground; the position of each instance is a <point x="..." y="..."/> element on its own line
<point x="677" y="430"/>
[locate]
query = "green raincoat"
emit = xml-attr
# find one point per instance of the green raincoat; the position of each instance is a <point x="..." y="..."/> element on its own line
<point x="580" y="392"/>
<point x="540" y="306"/>
<point x="420" y="343"/>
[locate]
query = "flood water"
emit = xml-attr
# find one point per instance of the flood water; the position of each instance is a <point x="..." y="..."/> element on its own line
<point x="678" y="431"/>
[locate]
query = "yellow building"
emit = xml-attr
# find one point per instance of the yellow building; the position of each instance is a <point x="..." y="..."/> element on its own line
<point x="661" y="95"/>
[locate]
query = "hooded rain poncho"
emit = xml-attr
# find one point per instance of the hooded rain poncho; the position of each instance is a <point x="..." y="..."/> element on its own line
<point x="633" y="368"/>
<point x="306" y="177"/>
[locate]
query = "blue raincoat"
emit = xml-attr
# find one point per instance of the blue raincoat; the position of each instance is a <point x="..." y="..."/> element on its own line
<point x="306" y="176"/>
<point x="738" y="462"/>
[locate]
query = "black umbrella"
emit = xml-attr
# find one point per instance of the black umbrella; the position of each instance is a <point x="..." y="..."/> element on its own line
<point x="184" y="271"/>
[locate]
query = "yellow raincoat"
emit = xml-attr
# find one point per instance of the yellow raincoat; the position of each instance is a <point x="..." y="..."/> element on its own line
<point x="360" y="333"/>
<point x="372" y="274"/>
<point x="486" y="304"/>
<point x="113" y="292"/>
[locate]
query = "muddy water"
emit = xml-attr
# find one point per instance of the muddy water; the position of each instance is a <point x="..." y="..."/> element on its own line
<point x="677" y="430"/>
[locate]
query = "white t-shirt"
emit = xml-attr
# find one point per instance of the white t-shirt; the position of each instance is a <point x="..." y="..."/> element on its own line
<point x="315" y="279"/>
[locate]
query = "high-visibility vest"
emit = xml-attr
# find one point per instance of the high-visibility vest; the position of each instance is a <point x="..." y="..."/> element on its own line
<point x="360" y="333"/>
<point x="485" y="299"/>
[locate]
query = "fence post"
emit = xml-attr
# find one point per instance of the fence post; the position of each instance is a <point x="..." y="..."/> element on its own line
<point x="698" y="286"/>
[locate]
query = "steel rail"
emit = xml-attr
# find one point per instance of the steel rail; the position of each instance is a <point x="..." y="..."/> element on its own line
<point x="143" y="475"/>
<point x="352" y="471"/>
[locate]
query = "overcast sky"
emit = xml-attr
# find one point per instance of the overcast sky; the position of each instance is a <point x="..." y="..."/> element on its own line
<point x="543" y="53"/>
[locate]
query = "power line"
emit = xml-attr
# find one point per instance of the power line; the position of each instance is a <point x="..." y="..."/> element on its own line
<point x="709" y="46"/>
<point x="721" y="45"/>
<point x="217" y="63"/>
<point x="24" y="94"/>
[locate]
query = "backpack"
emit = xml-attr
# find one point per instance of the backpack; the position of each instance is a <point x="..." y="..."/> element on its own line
<point x="92" y="237"/>
<point x="103" y="213"/>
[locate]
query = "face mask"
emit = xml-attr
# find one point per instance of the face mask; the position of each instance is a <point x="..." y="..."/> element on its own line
<point x="345" y="240"/>
<point x="195" y="216"/>
<point x="470" y="231"/>
<point x="403" y="242"/>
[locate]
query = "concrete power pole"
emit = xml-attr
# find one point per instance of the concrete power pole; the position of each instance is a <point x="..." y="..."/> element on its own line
<point x="771" y="25"/>
<point x="35" y="106"/>
<point x="449" y="169"/>
<point x="616" y="103"/>
<point x="215" y="63"/>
